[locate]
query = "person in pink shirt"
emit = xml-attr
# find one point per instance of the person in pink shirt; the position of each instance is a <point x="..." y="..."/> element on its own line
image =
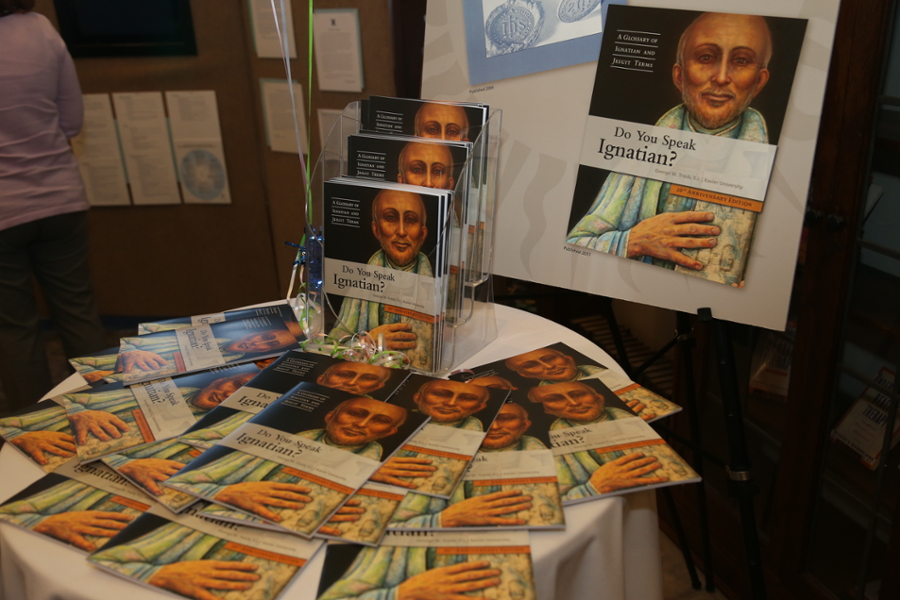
<point x="43" y="219"/>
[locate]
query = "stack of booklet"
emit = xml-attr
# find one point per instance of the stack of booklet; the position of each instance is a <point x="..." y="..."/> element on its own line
<point x="594" y="419"/>
<point x="401" y="226"/>
<point x="222" y="478"/>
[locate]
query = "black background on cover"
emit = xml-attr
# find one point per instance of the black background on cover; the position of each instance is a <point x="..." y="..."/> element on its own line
<point x="645" y="97"/>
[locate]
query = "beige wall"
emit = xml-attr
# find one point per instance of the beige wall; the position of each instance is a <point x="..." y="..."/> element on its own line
<point x="190" y="259"/>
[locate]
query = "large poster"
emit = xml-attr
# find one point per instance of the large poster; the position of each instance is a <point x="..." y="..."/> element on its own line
<point x="677" y="178"/>
<point x="545" y="120"/>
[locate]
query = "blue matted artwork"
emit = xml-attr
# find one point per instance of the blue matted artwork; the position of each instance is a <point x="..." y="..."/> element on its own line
<point x="542" y="56"/>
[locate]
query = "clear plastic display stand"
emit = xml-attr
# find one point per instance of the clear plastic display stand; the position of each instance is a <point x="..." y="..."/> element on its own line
<point x="466" y="324"/>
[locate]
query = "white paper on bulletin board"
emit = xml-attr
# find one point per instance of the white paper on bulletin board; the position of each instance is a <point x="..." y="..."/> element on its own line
<point x="99" y="156"/>
<point x="544" y="116"/>
<point x="265" y="31"/>
<point x="197" y="141"/>
<point x="278" y="113"/>
<point x="147" y="147"/>
<point x="338" y="50"/>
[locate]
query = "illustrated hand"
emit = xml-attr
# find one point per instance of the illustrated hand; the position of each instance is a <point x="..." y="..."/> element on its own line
<point x="35" y="443"/>
<point x="403" y="467"/>
<point x="350" y="511"/>
<point x="194" y="578"/>
<point x="486" y="510"/>
<point x="662" y="235"/>
<point x="148" y="471"/>
<point x="626" y="472"/>
<point x="397" y="336"/>
<point x="140" y="360"/>
<point x="105" y="426"/>
<point x="255" y="496"/>
<point x="449" y="583"/>
<point x="71" y="527"/>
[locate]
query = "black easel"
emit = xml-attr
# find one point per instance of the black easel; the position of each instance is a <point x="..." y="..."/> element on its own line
<point x="740" y="479"/>
<point x="740" y="485"/>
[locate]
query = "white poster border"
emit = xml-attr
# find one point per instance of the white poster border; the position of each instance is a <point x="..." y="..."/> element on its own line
<point x="542" y="139"/>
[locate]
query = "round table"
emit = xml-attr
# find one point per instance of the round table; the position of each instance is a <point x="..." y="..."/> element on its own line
<point x="609" y="550"/>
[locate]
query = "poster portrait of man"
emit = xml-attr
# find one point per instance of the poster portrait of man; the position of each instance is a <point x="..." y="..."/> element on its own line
<point x="728" y="76"/>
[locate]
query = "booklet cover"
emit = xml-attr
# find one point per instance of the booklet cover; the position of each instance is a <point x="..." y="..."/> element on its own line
<point x="494" y="565"/>
<point x="295" y="463"/>
<point x="363" y="518"/>
<point x="457" y="121"/>
<point x="428" y="163"/>
<point x="114" y="417"/>
<point x="433" y="462"/>
<point x="146" y="467"/>
<point x="279" y="378"/>
<point x="196" y="557"/>
<point x="192" y="349"/>
<point x="41" y="432"/>
<point x="280" y="309"/>
<point x="676" y="175"/>
<point x="601" y="447"/>
<point x="448" y="121"/>
<point x="435" y="164"/>
<point x="384" y="262"/>
<point x="82" y="506"/>
<point x="511" y="483"/>
<point x="559" y="362"/>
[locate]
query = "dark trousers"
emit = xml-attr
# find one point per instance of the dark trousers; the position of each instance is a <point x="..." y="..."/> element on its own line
<point x="54" y="251"/>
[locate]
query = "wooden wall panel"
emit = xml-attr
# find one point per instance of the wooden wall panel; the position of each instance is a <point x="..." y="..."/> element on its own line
<point x="190" y="259"/>
<point x="283" y="177"/>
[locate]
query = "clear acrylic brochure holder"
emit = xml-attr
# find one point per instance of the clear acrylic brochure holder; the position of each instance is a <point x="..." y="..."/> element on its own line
<point x="467" y="323"/>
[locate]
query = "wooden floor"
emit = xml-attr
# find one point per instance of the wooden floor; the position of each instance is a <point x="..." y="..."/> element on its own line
<point x="676" y="582"/>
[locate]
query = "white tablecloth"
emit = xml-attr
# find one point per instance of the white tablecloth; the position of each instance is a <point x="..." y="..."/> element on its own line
<point x="609" y="550"/>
